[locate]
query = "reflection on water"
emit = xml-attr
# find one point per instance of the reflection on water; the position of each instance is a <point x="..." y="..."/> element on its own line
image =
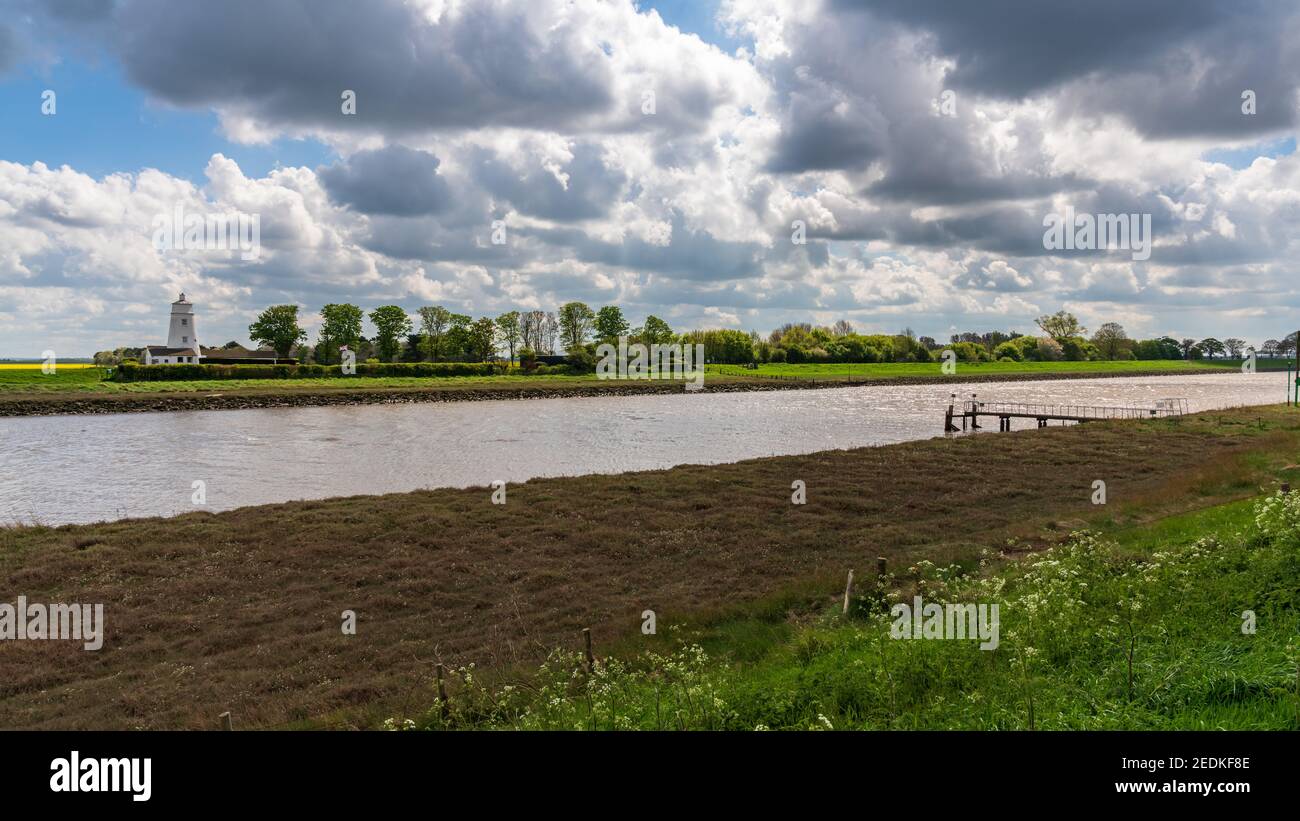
<point x="59" y="469"/>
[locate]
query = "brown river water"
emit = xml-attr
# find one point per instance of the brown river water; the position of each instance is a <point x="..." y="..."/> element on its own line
<point x="66" y="469"/>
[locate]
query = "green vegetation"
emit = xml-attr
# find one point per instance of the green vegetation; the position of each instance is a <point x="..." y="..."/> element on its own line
<point x="15" y="383"/>
<point x="1138" y="629"/>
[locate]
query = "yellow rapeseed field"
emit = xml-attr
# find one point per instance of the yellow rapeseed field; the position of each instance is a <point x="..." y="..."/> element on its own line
<point x="36" y="366"/>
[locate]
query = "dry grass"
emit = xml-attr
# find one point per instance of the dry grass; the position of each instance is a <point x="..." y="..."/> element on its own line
<point x="241" y="610"/>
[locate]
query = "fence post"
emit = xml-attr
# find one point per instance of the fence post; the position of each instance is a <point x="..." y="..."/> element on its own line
<point x="848" y="592"/>
<point x="442" y="695"/>
<point x="881" y="565"/>
<point x="226" y="723"/>
<point x="591" y="659"/>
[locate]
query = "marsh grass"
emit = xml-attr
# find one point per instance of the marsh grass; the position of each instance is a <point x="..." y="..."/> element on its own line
<point x="1139" y="631"/>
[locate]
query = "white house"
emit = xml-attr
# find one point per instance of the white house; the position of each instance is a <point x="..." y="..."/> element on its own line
<point x="182" y="340"/>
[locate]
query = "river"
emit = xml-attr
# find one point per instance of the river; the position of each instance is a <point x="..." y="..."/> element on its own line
<point x="66" y="469"/>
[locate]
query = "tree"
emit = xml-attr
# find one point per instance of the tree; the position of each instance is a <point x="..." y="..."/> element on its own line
<point x="482" y="340"/>
<point x="1186" y="347"/>
<point x="656" y="331"/>
<point x="610" y="323"/>
<point x="1110" y="339"/>
<point x="530" y="328"/>
<point x="277" y="327"/>
<point x="576" y="323"/>
<point x="458" y="341"/>
<point x="1211" y="346"/>
<point x="842" y="328"/>
<point x="550" y="332"/>
<point x="508" y="330"/>
<point x="340" y="325"/>
<point x="1235" y="346"/>
<point x="1270" y="347"/>
<point x="434" y="320"/>
<point x="1061" y="326"/>
<point x="391" y="323"/>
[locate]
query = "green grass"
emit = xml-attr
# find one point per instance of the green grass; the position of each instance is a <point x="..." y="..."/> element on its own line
<point x="16" y="382"/>
<point x="842" y="371"/>
<point x="91" y="380"/>
<point x="1139" y="628"/>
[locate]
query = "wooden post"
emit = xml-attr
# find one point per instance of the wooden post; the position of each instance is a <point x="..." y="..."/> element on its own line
<point x="226" y="723"/>
<point x="591" y="660"/>
<point x="848" y="592"/>
<point x="1286" y="488"/>
<point x="442" y="695"/>
<point x="881" y="565"/>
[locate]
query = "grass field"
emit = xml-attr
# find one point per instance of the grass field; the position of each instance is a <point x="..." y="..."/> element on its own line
<point x="24" y="381"/>
<point x="241" y="610"/>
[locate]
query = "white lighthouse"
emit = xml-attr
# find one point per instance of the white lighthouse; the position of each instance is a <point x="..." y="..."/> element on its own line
<point x="182" y="339"/>
<point x="181" y="333"/>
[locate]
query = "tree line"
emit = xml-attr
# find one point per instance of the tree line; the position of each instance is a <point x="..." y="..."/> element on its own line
<point x="437" y="334"/>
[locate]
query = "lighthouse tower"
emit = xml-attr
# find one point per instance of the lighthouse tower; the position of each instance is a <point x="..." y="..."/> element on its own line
<point x="181" y="334"/>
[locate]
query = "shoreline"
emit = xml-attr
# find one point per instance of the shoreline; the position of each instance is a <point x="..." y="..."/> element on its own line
<point x="91" y="404"/>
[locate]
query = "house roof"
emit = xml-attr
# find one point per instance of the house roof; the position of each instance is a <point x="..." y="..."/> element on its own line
<point x="163" y="350"/>
<point x="238" y="352"/>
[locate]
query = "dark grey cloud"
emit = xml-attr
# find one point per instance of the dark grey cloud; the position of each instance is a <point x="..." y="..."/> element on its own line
<point x="1171" y="67"/>
<point x="691" y="253"/>
<point x="590" y="189"/>
<point x="393" y="180"/>
<point x="289" y="62"/>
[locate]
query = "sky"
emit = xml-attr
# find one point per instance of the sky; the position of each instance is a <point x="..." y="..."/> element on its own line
<point x="729" y="164"/>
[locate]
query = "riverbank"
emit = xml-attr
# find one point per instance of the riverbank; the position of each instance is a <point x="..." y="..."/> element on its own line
<point x="242" y="610"/>
<point x="227" y="395"/>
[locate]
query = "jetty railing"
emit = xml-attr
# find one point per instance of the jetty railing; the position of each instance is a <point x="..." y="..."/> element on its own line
<point x="972" y="409"/>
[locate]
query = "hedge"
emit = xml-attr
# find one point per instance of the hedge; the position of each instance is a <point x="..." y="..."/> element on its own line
<point x="173" y="373"/>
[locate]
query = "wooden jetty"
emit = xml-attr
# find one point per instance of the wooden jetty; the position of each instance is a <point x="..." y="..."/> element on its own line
<point x="972" y="409"/>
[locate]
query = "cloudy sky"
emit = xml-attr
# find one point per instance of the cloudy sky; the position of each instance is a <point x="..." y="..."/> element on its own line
<point x="653" y="155"/>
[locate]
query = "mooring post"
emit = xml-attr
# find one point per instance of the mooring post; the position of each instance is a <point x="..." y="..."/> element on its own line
<point x="848" y="592"/>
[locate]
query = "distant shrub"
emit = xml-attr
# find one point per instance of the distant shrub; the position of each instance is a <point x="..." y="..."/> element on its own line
<point x="128" y="372"/>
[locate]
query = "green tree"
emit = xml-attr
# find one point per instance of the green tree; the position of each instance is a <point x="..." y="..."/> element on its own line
<point x="1235" y="346"/>
<point x="340" y="325"/>
<point x="458" y="340"/>
<point x="277" y="327"/>
<point x="391" y="324"/>
<point x="508" y="331"/>
<point x="1061" y="326"/>
<point x="610" y="323"/>
<point x="434" y="320"/>
<point x="1212" y="346"/>
<point x="1110" y="339"/>
<point x="576" y="323"/>
<point x="656" y="331"/>
<point x="482" y="339"/>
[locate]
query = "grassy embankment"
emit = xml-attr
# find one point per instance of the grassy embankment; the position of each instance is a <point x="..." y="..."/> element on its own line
<point x="84" y="390"/>
<point x="241" y="610"/>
